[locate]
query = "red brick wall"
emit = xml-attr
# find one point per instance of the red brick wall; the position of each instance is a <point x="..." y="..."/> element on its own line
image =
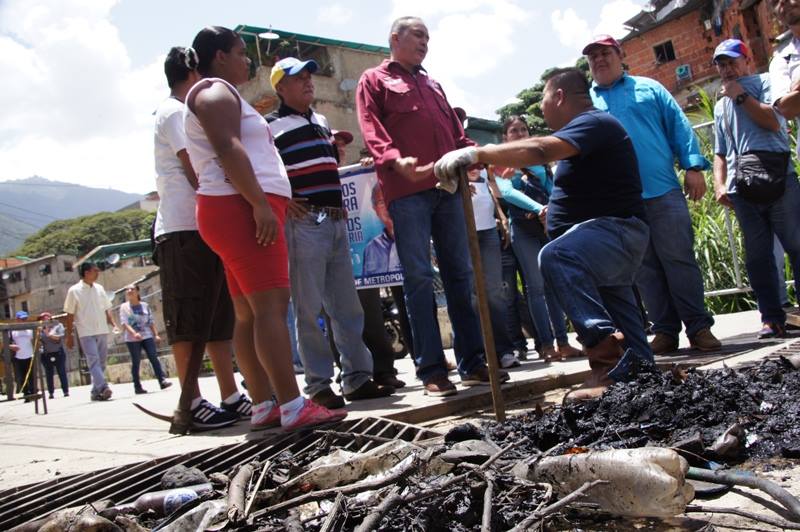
<point x="694" y="44"/>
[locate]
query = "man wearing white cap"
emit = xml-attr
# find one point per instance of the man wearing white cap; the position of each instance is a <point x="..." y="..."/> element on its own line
<point x="320" y="271"/>
<point x="669" y="280"/>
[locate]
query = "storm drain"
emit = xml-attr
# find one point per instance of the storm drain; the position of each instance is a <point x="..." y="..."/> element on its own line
<point x="126" y="483"/>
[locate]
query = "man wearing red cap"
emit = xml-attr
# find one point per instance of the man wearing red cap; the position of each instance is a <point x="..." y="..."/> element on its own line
<point x="746" y="125"/>
<point x="669" y="280"/>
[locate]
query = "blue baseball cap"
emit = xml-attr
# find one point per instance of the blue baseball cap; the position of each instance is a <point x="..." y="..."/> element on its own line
<point x="732" y="48"/>
<point x="289" y="66"/>
<point x="21" y="315"/>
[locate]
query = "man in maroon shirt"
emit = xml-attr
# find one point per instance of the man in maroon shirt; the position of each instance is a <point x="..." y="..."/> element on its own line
<point x="407" y="125"/>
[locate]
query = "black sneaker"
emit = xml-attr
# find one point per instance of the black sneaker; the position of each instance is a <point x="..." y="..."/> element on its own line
<point x="207" y="416"/>
<point x="164" y="384"/>
<point x="369" y="390"/>
<point x="243" y="407"/>
<point x="139" y="391"/>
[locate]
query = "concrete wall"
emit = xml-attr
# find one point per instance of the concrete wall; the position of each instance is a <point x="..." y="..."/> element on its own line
<point x="335" y="95"/>
<point x="39" y="291"/>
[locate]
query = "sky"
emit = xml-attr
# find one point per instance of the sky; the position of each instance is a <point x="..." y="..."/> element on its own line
<point x="81" y="78"/>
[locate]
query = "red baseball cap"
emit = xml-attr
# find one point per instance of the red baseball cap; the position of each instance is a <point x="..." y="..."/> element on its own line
<point x="602" y="40"/>
<point x="346" y="136"/>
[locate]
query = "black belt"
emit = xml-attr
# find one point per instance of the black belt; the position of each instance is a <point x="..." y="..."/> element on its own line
<point x="335" y="213"/>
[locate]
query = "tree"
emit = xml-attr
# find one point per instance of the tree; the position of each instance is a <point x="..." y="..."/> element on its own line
<point x="530" y="101"/>
<point x="78" y="236"/>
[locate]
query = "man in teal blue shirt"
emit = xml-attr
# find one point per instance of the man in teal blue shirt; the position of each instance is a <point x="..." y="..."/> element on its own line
<point x="669" y="280"/>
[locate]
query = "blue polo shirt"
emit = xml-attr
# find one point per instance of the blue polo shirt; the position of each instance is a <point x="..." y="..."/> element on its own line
<point x="601" y="181"/>
<point x="660" y="132"/>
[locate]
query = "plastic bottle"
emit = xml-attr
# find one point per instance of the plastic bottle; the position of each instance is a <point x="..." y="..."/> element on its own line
<point x="163" y="502"/>
<point x="645" y="482"/>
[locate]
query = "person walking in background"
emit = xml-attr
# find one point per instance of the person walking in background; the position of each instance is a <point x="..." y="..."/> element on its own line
<point x="670" y="282"/>
<point x="88" y="309"/>
<point x="139" y="332"/>
<point x="54" y="359"/>
<point x="242" y="181"/>
<point x="22" y="347"/>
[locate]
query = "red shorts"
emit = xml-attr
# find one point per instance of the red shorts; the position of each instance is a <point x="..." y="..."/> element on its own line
<point x="226" y="224"/>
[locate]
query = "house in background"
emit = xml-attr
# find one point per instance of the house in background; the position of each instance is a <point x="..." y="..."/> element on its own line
<point x="149" y="203"/>
<point x="121" y="263"/>
<point x="673" y="41"/>
<point x="37" y="285"/>
<point x="341" y="65"/>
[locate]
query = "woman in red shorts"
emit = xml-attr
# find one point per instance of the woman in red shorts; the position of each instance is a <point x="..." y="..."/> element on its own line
<point x="241" y="205"/>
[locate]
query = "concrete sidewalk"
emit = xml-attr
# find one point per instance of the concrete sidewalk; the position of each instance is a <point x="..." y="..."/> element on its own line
<point x="79" y="435"/>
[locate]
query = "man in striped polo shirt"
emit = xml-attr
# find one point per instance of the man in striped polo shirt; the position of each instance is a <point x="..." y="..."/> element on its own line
<point x="320" y="270"/>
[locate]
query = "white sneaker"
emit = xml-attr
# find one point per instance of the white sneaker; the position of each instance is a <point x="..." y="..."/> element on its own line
<point x="509" y="360"/>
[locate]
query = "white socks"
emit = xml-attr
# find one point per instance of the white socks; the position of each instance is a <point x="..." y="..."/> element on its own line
<point x="196" y="402"/>
<point x="291" y="409"/>
<point x="261" y="411"/>
<point x="232" y="398"/>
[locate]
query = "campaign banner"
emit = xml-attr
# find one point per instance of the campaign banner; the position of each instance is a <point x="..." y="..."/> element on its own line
<point x="369" y="228"/>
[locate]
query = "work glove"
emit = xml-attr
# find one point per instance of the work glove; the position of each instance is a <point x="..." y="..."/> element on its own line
<point x="449" y="167"/>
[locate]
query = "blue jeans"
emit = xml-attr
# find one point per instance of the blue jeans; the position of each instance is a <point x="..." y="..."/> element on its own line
<point x="669" y="280"/>
<point x="55" y="362"/>
<point x="518" y="316"/>
<point x="545" y="310"/>
<point x="321" y="276"/>
<point x="418" y="218"/>
<point x="758" y="223"/>
<point x="780" y="266"/>
<point x="290" y="324"/>
<point x="489" y="242"/>
<point x="135" y="349"/>
<point x="95" y="348"/>
<point x="591" y="268"/>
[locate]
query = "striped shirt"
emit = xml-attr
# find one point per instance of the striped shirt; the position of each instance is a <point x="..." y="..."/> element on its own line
<point x="306" y="147"/>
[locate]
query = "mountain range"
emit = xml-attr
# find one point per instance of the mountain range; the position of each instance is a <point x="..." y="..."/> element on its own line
<point x="27" y="205"/>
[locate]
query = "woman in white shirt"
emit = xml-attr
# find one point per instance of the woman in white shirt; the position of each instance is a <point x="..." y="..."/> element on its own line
<point x="241" y="205"/>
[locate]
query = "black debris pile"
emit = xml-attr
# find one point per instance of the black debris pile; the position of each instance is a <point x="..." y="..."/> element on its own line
<point x="723" y="415"/>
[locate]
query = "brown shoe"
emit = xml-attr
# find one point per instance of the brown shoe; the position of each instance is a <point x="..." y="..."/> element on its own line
<point x="548" y="353"/>
<point x="664" y="343"/>
<point x="480" y="377"/>
<point x="704" y="340"/>
<point x="440" y="386"/>
<point x="566" y="351"/>
<point x="328" y="399"/>
<point x="369" y="390"/>
<point x="602" y="359"/>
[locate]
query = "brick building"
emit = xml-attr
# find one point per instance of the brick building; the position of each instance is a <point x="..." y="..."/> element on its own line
<point x="672" y="41"/>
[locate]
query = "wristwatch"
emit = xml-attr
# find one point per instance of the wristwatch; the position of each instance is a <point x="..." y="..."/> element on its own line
<point x="741" y="98"/>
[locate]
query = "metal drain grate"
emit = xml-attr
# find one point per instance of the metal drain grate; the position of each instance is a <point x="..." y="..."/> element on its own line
<point x="126" y="483"/>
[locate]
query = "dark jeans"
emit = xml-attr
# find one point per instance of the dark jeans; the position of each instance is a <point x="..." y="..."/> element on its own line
<point x="135" y="348"/>
<point x="21" y="368"/>
<point x="669" y="280"/>
<point x="418" y="218"/>
<point x="758" y="223"/>
<point x="518" y="315"/>
<point x="489" y="242"/>
<point x="56" y="362"/>
<point x="374" y="335"/>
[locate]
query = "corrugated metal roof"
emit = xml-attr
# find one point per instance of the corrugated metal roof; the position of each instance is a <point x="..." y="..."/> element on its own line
<point x="249" y="33"/>
<point x="125" y="250"/>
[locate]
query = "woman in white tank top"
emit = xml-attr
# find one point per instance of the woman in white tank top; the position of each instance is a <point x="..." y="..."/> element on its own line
<point x="241" y="206"/>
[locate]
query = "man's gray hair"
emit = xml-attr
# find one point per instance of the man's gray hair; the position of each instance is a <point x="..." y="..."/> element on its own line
<point x="400" y="25"/>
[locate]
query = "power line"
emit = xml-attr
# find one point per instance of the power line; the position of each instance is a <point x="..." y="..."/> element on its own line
<point x="29" y="211"/>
